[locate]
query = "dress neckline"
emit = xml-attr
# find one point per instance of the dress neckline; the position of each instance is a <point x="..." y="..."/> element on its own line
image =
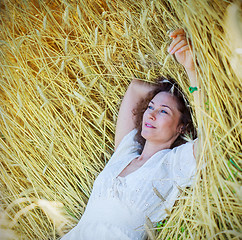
<point x="131" y="159"/>
<point x="141" y="167"/>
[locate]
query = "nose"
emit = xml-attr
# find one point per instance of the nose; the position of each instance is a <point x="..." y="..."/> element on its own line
<point x="152" y="115"/>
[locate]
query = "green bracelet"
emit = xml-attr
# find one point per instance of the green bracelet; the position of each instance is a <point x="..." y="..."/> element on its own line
<point x="192" y="89"/>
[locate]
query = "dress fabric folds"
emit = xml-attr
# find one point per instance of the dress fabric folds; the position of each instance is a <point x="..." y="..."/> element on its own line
<point x="118" y="206"/>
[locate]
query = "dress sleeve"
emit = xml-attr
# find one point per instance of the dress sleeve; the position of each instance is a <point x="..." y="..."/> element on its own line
<point x="128" y="145"/>
<point x="184" y="164"/>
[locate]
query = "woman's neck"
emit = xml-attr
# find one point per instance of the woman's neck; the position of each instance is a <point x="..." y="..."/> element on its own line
<point x="151" y="148"/>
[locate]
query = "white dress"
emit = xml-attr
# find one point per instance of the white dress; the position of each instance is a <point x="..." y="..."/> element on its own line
<point x="118" y="206"/>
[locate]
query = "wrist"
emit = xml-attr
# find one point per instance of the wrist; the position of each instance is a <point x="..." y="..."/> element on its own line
<point x="192" y="75"/>
<point x="192" y="89"/>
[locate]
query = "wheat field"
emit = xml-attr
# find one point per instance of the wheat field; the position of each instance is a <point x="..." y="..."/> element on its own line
<point x="64" y="67"/>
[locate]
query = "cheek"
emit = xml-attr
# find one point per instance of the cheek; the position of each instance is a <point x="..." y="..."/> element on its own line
<point x="172" y="122"/>
<point x="144" y="115"/>
<point x="164" y="118"/>
<point x="168" y="122"/>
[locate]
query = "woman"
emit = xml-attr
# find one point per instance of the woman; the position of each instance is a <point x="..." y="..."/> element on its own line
<point x="143" y="177"/>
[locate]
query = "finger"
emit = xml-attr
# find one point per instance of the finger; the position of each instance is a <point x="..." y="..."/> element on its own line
<point x="176" y="32"/>
<point x="178" y="46"/>
<point x="179" y="31"/>
<point x="182" y="49"/>
<point x="176" y="41"/>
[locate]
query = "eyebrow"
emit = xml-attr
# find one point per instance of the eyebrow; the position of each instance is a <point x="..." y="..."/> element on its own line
<point x="162" y="105"/>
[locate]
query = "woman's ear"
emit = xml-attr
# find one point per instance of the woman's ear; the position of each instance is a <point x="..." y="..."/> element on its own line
<point x="181" y="129"/>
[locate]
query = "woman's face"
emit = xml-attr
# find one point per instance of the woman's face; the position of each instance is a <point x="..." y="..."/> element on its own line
<point x="161" y="120"/>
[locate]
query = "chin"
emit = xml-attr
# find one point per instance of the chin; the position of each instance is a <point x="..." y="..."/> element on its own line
<point x="142" y="134"/>
<point x="145" y="135"/>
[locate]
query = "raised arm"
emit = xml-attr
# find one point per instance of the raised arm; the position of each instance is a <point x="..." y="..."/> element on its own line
<point x="136" y="91"/>
<point x="183" y="54"/>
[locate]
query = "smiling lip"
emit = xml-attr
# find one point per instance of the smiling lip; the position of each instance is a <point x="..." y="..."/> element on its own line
<point x="149" y="125"/>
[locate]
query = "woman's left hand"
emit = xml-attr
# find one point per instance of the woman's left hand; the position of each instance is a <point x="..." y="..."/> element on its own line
<point x="180" y="47"/>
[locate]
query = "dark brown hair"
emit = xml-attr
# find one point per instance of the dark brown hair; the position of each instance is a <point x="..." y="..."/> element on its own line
<point x="167" y="85"/>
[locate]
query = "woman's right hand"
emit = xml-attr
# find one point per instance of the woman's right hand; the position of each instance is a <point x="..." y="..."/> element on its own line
<point x="180" y="47"/>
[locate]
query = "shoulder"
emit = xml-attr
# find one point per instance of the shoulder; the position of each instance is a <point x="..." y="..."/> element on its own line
<point x="187" y="147"/>
<point x="127" y="146"/>
<point x="183" y="160"/>
<point x="182" y="157"/>
<point x="128" y="141"/>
